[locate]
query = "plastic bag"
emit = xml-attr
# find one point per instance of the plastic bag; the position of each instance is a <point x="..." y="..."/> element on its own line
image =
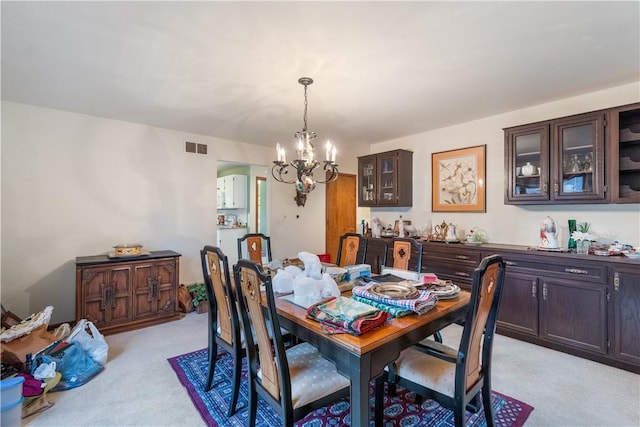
<point x="74" y="364"/>
<point x="91" y="341"/>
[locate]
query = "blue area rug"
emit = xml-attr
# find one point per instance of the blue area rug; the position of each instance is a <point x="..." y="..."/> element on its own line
<point x="400" y="410"/>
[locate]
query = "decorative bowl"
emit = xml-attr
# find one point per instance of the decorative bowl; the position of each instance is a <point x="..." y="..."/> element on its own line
<point x="128" y="249"/>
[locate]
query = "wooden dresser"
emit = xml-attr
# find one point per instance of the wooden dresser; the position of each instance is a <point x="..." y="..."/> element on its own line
<point x="121" y="294"/>
<point x="584" y="305"/>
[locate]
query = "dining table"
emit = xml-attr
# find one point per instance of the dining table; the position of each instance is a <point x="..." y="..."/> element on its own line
<point x="363" y="358"/>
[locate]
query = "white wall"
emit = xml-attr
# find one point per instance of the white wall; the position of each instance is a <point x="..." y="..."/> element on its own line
<point x="508" y="223"/>
<point x="75" y="185"/>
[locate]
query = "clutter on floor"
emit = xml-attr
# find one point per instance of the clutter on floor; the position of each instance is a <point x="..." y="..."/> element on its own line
<point x="36" y="361"/>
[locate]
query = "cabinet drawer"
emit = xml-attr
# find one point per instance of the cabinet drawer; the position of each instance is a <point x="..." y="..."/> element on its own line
<point x="550" y="266"/>
<point x="435" y="253"/>
<point x="459" y="274"/>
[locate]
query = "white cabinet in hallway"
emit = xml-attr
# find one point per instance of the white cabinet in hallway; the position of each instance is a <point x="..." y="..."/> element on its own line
<point x="232" y="192"/>
<point x="228" y="242"/>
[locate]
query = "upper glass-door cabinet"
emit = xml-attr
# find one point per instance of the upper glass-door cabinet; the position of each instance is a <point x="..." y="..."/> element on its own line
<point x="527" y="164"/>
<point x="578" y="160"/>
<point x="385" y="179"/>
<point x="559" y="161"/>
<point x="368" y="172"/>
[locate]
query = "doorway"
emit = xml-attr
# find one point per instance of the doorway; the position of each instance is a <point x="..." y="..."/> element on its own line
<point x="256" y="213"/>
<point x="340" y="211"/>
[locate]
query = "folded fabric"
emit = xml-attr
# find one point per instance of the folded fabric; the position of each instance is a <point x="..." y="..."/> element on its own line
<point x="337" y="324"/>
<point x="391" y="309"/>
<point x="420" y="305"/>
<point x="346" y="309"/>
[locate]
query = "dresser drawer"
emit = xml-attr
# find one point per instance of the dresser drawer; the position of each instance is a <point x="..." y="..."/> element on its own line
<point x="459" y="274"/>
<point x="578" y="269"/>
<point x="435" y="253"/>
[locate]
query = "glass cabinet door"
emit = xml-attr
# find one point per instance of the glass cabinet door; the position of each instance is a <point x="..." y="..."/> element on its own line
<point x="579" y="155"/>
<point x="387" y="168"/>
<point x="367" y="169"/>
<point x="386" y="179"/>
<point x="527" y="170"/>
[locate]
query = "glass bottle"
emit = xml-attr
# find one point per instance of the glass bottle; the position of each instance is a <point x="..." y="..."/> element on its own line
<point x="572" y="227"/>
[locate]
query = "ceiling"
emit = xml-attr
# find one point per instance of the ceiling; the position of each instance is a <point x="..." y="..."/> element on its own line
<point x="382" y="70"/>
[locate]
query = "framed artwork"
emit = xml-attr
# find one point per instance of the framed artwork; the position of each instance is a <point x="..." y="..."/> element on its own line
<point x="458" y="180"/>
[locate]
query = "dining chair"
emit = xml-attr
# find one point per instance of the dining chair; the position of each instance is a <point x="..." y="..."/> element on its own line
<point x="255" y="242"/>
<point x="294" y="381"/>
<point x="455" y="378"/>
<point x="352" y="249"/>
<point x="225" y="329"/>
<point x="406" y="254"/>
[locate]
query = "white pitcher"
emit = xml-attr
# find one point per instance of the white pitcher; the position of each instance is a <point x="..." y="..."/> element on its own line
<point x="451" y="233"/>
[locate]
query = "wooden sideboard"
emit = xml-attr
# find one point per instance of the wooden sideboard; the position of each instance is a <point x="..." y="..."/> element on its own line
<point x="121" y="294"/>
<point x="584" y="305"/>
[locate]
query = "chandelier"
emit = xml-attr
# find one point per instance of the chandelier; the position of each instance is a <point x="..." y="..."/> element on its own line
<point x="305" y="164"/>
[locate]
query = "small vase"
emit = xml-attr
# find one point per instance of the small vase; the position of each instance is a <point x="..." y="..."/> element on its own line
<point x="582" y="246"/>
<point x="572" y="227"/>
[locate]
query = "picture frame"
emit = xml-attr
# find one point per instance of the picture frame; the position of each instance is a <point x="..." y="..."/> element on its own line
<point x="458" y="180"/>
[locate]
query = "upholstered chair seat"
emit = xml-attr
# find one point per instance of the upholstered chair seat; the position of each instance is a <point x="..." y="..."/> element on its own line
<point x="312" y="376"/>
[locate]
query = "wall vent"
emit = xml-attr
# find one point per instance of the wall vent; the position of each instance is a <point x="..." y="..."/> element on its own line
<point x="190" y="147"/>
<point x="202" y="148"/>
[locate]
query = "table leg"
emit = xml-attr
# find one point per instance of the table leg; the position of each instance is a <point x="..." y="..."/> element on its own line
<point x="360" y="398"/>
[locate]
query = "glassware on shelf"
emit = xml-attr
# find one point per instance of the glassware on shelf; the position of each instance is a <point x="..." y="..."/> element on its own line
<point x="528" y="169"/>
<point x="574" y="165"/>
<point x="587" y="164"/>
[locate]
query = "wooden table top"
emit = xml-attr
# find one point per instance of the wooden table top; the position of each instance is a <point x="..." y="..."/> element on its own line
<point x="391" y="330"/>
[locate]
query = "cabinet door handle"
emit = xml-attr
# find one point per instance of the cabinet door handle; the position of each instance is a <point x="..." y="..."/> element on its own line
<point x="462" y="257"/>
<point x="107" y="299"/>
<point x="461" y="274"/>
<point x="511" y="263"/>
<point x="555" y="187"/>
<point x="534" y="291"/>
<point x="576" y="271"/>
<point x="154" y="288"/>
<point x="545" y="188"/>
<point x="616" y="281"/>
<point x="544" y="291"/>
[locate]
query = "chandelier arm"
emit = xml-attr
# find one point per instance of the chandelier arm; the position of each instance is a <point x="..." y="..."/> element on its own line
<point x="282" y="169"/>
<point x="332" y="168"/>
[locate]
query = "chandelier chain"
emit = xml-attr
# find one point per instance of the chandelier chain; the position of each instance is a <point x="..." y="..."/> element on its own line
<point x="304" y="118"/>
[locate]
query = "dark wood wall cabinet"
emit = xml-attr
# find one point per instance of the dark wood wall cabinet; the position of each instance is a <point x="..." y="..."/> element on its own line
<point x="586" y="158"/>
<point x="624" y="153"/>
<point x="583" y="305"/>
<point x="121" y="294"/>
<point x="385" y="179"/>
